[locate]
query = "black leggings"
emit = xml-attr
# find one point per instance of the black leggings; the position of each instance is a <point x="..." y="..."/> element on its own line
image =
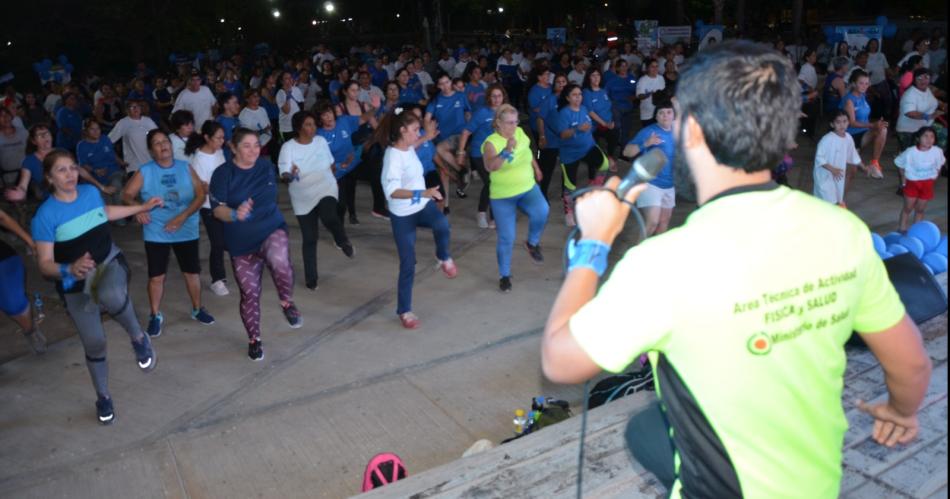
<point x="611" y="136"/>
<point x="596" y="163"/>
<point x="547" y="161"/>
<point x="326" y="212"/>
<point x="478" y="164"/>
<point x="215" y="230"/>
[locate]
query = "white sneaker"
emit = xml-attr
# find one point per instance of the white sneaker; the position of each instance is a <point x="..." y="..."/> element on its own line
<point x="482" y="218"/>
<point x="219" y="288"/>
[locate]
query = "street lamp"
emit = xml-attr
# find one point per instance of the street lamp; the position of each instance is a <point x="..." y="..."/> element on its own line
<point x="329" y="7"/>
<point x="275" y="13"/>
<point x="222" y="20"/>
<point x="501" y="10"/>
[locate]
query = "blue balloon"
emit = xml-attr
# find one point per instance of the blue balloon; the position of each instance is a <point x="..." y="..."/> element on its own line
<point x="47" y="63"/>
<point x="881" y="20"/>
<point x="879" y="245"/>
<point x="700" y="24"/>
<point x="936" y="261"/>
<point x="927" y="232"/>
<point x="890" y="30"/>
<point x="58" y="77"/>
<point x="893" y="237"/>
<point x="69" y="67"/>
<point x="896" y="249"/>
<point x="913" y="245"/>
<point x="62" y="59"/>
<point x="45" y="75"/>
<point x="942" y="246"/>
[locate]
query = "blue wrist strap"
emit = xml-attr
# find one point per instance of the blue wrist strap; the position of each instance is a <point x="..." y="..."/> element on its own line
<point x="67" y="277"/>
<point x="416" y="196"/>
<point x="588" y="253"/>
<point x="508" y="155"/>
<point x="234" y="217"/>
<point x="926" y="116"/>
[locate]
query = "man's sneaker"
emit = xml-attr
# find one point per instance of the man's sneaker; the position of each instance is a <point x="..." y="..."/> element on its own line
<point x="482" y="219"/>
<point x="293" y="316"/>
<point x="446" y="210"/>
<point x="346" y="248"/>
<point x="875" y="170"/>
<point x="155" y="323"/>
<point x="220" y="288"/>
<point x="104" y="411"/>
<point x="255" y="350"/>
<point x="36" y="340"/>
<point x="201" y="315"/>
<point x="535" y="251"/>
<point x="354" y="220"/>
<point x="460" y="192"/>
<point x="409" y="320"/>
<point x="380" y="214"/>
<point x="448" y="268"/>
<point x="504" y="284"/>
<point x="144" y="354"/>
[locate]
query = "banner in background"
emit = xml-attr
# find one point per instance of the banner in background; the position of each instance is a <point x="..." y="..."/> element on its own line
<point x="557" y="35"/>
<point x="645" y="33"/>
<point x="668" y="35"/>
<point x="857" y="37"/>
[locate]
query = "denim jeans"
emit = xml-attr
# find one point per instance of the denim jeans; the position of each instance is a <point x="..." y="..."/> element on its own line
<point x="531" y="203"/>
<point x="404" y="232"/>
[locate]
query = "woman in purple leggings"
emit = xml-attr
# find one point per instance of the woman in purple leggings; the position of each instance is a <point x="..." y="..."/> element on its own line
<point x="244" y="196"/>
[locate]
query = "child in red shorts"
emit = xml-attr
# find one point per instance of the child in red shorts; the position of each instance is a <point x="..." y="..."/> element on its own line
<point x="919" y="166"/>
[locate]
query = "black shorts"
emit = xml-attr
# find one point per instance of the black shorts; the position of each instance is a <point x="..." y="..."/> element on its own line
<point x="186" y="252"/>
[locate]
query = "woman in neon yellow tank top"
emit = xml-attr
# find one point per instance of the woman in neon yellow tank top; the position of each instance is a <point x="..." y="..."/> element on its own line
<point x="514" y="175"/>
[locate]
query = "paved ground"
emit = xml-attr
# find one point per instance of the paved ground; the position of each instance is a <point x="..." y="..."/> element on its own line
<point x="303" y="423"/>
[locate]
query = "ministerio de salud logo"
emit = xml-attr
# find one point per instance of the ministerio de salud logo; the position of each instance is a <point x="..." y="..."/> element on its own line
<point x="759" y="344"/>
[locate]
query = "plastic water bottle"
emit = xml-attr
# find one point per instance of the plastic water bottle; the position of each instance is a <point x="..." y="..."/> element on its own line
<point x="38" y="307"/>
<point x="520" y="421"/>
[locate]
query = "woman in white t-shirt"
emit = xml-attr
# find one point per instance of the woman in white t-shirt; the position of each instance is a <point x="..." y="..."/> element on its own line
<point x="254" y="117"/>
<point x="204" y="152"/>
<point x="836" y="152"/>
<point x="919" y="166"/>
<point x="409" y="206"/>
<point x="650" y="83"/>
<point x="306" y="163"/>
<point x="289" y="101"/>
<point x="182" y="122"/>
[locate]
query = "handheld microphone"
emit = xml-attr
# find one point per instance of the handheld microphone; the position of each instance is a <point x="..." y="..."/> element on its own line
<point x="644" y="169"/>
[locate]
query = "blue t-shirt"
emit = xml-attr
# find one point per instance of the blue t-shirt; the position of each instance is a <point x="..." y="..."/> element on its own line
<point x="620" y="90"/>
<point x="98" y="155"/>
<point x="340" y="140"/>
<point x="539" y="100"/>
<point x="426" y="153"/>
<point x="480" y="126"/>
<point x="378" y="76"/>
<point x="67" y="119"/>
<point x="449" y="112"/>
<point x="862" y="111"/>
<point x="35" y="166"/>
<point x="230" y="185"/>
<point x="409" y="95"/>
<point x="174" y="186"/>
<point x="579" y="144"/>
<point x="334" y="87"/>
<point x="273" y="111"/>
<point x="551" y="120"/>
<point x="598" y="102"/>
<point x="229" y="123"/>
<point x="475" y="94"/>
<point x="74" y="228"/>
<point x="665" y="179"/>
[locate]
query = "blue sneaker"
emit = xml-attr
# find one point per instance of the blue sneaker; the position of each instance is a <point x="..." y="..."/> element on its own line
<point x="293" y="316"/>
<point x="201" y="315"/>
<point x="144" y="353"/>
<point x="104" y="411"/>
<point x="155" y="323"/>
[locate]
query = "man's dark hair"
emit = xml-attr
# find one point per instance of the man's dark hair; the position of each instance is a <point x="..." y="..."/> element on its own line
<point x="746" y="99"/>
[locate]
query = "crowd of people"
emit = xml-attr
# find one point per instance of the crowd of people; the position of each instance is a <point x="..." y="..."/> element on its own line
<point x="208" y="144"/>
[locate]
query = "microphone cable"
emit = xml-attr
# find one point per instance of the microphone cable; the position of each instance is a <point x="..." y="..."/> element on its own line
<point x="574" y="236"/>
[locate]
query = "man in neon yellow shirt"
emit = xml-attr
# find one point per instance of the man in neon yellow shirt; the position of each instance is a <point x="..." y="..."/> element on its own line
<point x="746" y="342"/>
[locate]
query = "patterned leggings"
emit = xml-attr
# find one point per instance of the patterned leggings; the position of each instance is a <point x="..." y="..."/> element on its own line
<point x="248" y="269"/>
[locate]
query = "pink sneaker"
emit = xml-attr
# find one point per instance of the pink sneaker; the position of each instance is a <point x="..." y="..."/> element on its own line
<point x="448" y="268"/>
<point x="409" y="320"/>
